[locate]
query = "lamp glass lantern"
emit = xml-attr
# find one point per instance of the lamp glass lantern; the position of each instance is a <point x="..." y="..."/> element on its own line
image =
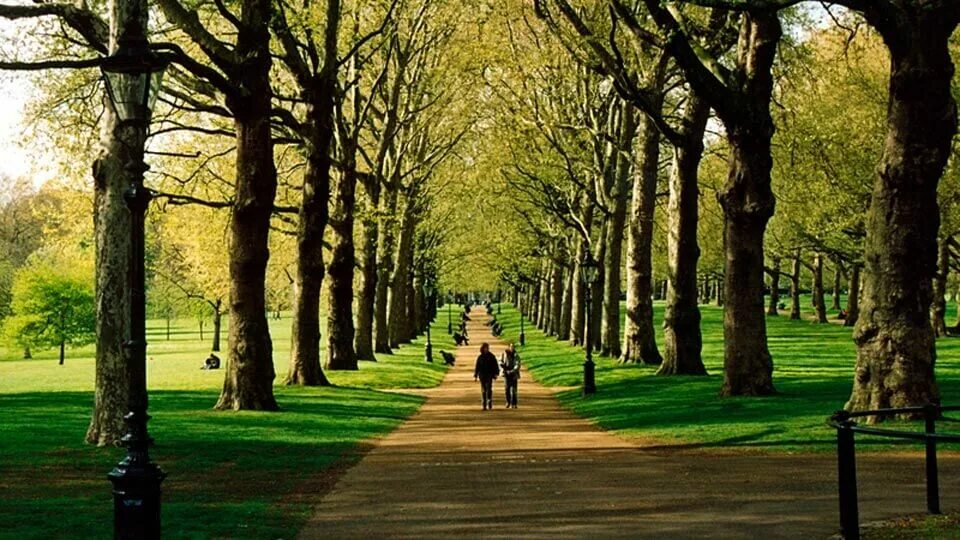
<point x="589" y="271"/>
<point x="133" y="83"/>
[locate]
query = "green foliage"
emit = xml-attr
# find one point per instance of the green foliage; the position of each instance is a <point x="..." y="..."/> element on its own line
<point x="53" y="305"/>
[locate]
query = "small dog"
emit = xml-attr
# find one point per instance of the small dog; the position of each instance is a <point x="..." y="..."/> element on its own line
<point x="448" y="358"/>
<point x="461" y="339"/>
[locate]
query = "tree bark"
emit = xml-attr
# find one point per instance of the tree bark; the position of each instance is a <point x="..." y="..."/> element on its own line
<point x="63" y="352"/>
<point x="249" y="373"/>
<point x="819" y="303"/>
<point x="340" y="329"/>
<point x="895" y="340"/>
<point x="385" y="249"/>
<point x="938" y="310"/>
<point x="367" y="296"/>
<point x="748" y="204"/>
<point x="682" y="340"/>
<point x="853" y="298"/>
<point x="397" y="293"/>
<point x="577" y="311"/>
<point x="639" y="336"/>
<point x="596" y="292"/>
<point x="119" y="160"/>
<point x="305" y="364"/>
<point x="774" y="307"/>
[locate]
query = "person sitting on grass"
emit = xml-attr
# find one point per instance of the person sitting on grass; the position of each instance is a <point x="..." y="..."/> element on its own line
<point x="486" y="371"/>
<point x="212" y="362"/>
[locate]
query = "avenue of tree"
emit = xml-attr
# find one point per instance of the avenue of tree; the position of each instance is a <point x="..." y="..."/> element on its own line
<point x="330" y="158"/>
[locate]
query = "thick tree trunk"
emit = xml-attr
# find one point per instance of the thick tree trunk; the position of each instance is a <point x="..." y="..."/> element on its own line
<point x="119" y="161"/>
<point x="639" y="336"/>
<point x="938" y="310"/>
<point x="819" y="303"/>
<point x="63" y="351"/>
<point x="853" y="298"/>
<point x="895" y="341"/>
<point x="305" y="364"/>
<point x="385" y="249"/>
<point x="748" y="204"/>
<point x="577" y="311"/>
<point x="774" y="306"/>
<point x="566" y="313"/>
<point x="682" y="339"/>
<point x="596" y="292"/>
<point x="249" y="373"/>
<point x="795" y="314"/>
<point x="367" y="295"/>
<point x="610" y="299"/>
<point x="340" y="329"/>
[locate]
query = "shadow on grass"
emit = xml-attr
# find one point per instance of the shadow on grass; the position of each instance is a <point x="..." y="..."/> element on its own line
<point x="236" y="475"/>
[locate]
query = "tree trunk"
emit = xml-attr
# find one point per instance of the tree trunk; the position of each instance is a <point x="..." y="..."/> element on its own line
<point x="895" y="341"/>
<point x="819" y="303"/>
<point x="340" y="329"/>
<point x="168" y="326"/>
<point x="795" y="288"/>
<point x="119" y="161"/>
<point x="774" y="307"/>
<point x="305" y="364"/>
<point x="837" y="283"/>
<point x="639" y="336"/>
<point x="596" y="292"/>
<point x="938" y="311"/>
<point x="853" y="297"/>
<point x="566" y="313"/>
<point x="249" y="374"/>
<point x="217" y="325"/>
<point x="397" y="292"/>
<point x="63" y="354"/>
<point x="682" y="339"/>
<point x="27" y="355"/>
<point x="577" y="311"/>
<point x="385" y="248"/>
<point x="367" y="297"/>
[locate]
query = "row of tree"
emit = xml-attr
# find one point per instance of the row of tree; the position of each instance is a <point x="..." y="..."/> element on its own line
<point x="635" y="102"/>
<point x="317" y="136"/>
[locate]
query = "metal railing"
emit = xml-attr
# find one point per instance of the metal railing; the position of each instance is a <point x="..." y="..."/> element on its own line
<point x="847" y="428"/>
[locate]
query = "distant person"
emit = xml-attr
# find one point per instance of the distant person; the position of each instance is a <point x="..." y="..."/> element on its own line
<point x="448" y="358"/>
<point x="510" y="365"/>
<point x="212" y="362"/>
<point x="486" y="371"/>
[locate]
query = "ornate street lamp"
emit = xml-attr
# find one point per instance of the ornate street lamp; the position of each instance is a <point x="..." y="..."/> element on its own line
<point x="589" y="274"/>
<point x="132" y="78"/>
<point x="428" y="291"/>
<point x="449" y="313"/>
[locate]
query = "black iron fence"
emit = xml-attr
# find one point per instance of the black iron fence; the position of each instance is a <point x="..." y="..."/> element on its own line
<point x="847" y="428"/>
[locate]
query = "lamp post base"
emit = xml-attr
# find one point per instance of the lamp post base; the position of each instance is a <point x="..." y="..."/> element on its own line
<point x="428" y="353"/>
<point x="589" y="379"/>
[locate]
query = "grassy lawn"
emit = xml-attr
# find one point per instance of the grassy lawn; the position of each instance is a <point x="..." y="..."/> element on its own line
<point x="813" y="375"/>
<point x="231" y="475"/>
<point x="914" y="528"/>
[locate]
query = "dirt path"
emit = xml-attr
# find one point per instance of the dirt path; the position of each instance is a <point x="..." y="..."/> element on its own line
<point x="539" y="471"/>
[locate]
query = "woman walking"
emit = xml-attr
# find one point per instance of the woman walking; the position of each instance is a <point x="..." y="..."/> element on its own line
<point x="510" y="364"/>
<point x="486" y="371"/>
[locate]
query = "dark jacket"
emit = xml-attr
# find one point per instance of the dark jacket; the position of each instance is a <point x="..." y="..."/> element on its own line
<point x="486" y="368"/>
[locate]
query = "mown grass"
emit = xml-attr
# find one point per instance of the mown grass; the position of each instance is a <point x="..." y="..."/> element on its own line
<point x="813" y="374"/>
<point x="231" y="475"/>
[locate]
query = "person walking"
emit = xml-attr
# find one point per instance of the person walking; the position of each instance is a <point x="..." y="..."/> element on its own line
<point x="510" y="365"/>
<point x="486" y="371"/>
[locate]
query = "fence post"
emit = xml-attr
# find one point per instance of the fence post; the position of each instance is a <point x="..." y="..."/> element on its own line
<point x="847" y="476"/>
<point x="930" y="414"/>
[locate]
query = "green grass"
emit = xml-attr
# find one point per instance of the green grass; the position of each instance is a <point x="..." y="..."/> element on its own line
<point x="813" y="375"/>
<point x="231" y="475"/>
<point x="915" y="528"/>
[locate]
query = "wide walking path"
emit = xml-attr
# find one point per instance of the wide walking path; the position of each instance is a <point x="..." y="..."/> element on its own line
<point x="538" y="471"/>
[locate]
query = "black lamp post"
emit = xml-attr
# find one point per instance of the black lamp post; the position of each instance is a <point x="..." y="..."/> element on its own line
<point x="428" y="293"/>
<point x="499" y="300"/>
<point x="589" y="274"/>
<point x="449" y="313"/>
<point x="132" y="77"/>
<point x="523" y="337"/>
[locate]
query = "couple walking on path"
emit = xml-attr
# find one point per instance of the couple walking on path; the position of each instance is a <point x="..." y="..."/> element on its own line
<point x="487" y="370"/>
